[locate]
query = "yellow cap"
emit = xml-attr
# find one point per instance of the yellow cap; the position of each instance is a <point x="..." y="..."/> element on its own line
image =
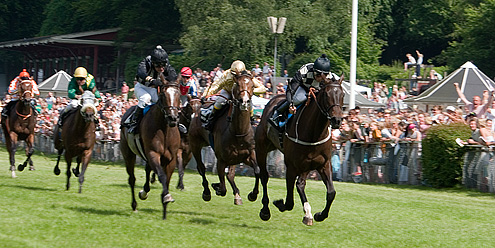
<point x="80" y="72"/>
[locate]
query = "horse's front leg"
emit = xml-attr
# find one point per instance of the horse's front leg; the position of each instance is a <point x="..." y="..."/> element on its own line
<point x="86" y="157"/>
<point x="202" y="171"/>
<point x="301" y="185"/>
<point x="230" y="177"/>
<point x="68" y="160"/>
<point x="326" y="175"/>
<point x="180" y="167"/>
<point x="12" y="148"/>
<point x="220" y="187"/>
<point x="155" y="161"/>
<point x="252" y="162"/>
<point x="143" y="194"/>
<point x="29" y="153"/>
<point x="290" y="179"/>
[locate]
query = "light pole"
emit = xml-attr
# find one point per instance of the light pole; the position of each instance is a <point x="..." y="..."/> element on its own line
<point x="276" y="27"/>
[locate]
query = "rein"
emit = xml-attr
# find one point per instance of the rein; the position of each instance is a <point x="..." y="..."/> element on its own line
<point x="326" y="112"/>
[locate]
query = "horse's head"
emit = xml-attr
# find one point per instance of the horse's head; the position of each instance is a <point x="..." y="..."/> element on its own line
<point x="170" y="101"/>
<point x="243" y="90"/>
<point x="88" y="109"/>
<point x="333" y="101"/>
<point x="25" y="88"/>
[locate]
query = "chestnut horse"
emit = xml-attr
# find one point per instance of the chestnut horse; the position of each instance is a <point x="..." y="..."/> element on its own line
<point x="307" y="146"/>
<point x="233" y="139"/>
<point x="77" y="138"/>
<point x="157" y="142"/>
<point x="19" y="125"/>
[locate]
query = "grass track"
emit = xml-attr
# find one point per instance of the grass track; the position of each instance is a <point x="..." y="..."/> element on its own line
<point x="37" y="211"/>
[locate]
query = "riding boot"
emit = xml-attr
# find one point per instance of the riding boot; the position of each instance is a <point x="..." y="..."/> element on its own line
<point x="63" y="115"/>
<point x="136" y="118"/>
<point x="211" y="119"/>
<point x="278" y="114"/>
<point x="6" y="109"/>
<point x="33" y="106"/>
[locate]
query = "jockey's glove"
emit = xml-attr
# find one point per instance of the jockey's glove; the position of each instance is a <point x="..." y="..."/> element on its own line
<point x="156" y="82"/>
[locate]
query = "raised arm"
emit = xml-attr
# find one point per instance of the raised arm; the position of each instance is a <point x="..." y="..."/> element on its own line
<point x="461" y="95"/>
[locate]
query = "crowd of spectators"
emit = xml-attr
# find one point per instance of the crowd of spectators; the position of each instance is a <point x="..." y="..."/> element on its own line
<point x="393" y="122"/>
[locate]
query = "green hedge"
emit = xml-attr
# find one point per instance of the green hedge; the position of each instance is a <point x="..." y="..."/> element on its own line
<point x="442" y="157"/>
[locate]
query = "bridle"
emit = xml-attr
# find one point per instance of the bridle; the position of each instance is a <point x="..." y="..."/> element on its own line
<point x="238" y="101"/>
<point x="327" y="112"/>
<point x="165" y="107"/>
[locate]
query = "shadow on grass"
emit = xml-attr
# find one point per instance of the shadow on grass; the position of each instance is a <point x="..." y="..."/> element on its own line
<point x="97" y="211"/>
<point x="30" y="187"/>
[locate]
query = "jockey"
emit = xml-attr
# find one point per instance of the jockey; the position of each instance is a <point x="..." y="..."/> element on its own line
<point x="188" y="86"/>
<point x="148" y="74"/>
<point x="224" y="85"/>
<point x="309" y="75"/>
<point x="81" y="82"/>
<point x="13" y="89"/>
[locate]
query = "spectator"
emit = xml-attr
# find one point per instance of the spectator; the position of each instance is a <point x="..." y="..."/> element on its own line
<point x="411" y="61"/>
<point x="256" y="70"/>
<point x="125" y="91"/>
<point x="476" y="106"/>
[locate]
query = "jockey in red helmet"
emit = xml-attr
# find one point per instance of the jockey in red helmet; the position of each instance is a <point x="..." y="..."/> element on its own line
<point x="188" y="86"/>
<point x="23" y="76"/>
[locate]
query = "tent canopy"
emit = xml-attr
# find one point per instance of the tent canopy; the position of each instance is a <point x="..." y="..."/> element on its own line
<point x="361" y="101"/>
<point x="472" y="82"/>
<point x="58" y="83"/>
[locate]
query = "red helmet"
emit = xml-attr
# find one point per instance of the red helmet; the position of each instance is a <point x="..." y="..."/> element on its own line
<point x="186" y="72"/>
<point x="24" y="73"/>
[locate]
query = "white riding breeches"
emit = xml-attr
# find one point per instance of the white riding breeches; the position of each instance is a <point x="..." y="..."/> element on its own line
<point x="222" y="99"/>
<point x="145" y="95"/>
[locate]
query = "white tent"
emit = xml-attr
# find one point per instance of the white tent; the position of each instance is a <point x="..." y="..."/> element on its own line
<point x="361" y="101"/>
<point x="57" y="83"/>
<point x="472" y="82"/>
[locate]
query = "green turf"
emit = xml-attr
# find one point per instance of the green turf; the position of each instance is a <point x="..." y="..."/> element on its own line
<point x="37" y="211"/>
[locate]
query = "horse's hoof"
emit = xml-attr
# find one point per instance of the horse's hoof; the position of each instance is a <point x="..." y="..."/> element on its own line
<point x="181" y="188"/>
<point x="252" y="196"/>
<point x="320" y="217"/>
<point x="265" y="215"/>
<point x="13" y="174"/>
<point x="238" y="201"/>
<point x="308" y="221"/>
<point x="168" y="198"/>
<point x="143" y="195"/>
<point x="20" y="167"/>
<point x="31" y="168"/>
<point x="206" y="197"/>
<point x="215" y="186"/>
<point x="76" y="173"/>
<point x="56" y="171"/>
<point x="279" y="204"/>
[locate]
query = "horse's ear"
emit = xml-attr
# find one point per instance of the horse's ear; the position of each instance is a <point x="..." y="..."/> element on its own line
<point x="341" y="78"/>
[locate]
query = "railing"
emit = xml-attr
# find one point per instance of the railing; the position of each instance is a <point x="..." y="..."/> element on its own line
<point x="395" y="163"/>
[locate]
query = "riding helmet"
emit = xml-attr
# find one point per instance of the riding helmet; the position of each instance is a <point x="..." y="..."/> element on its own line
<point x="80" y="72"/>
<point x="322" y="64"/>
<point x="186" y="72"/>
<point x="237" y="67"/>
<point x="24" y="74"/>
<point x="159" y="55"/>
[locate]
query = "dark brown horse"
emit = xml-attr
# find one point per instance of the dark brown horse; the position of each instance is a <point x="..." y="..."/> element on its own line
<point x="19" y="125"/>
<point x="307" y="146"/>
<point x="233" y="140"/>
<point x="184" y="154"/>
<point x="157" y="142"/>
<point x="77" y="138"/>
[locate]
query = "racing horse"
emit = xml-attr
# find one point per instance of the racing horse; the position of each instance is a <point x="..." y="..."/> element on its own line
<point x="157" y="142"/>
<point x="233" y="140"/>
<point x="19" y="125"/>
<point x="184" y="154"/>
<point x="306" y="145"/>
<point x="77" y="138"/>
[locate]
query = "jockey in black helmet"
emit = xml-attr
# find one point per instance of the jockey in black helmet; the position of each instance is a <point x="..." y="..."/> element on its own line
<point x="147" y="78"/>
<point x="309" y="75"/>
